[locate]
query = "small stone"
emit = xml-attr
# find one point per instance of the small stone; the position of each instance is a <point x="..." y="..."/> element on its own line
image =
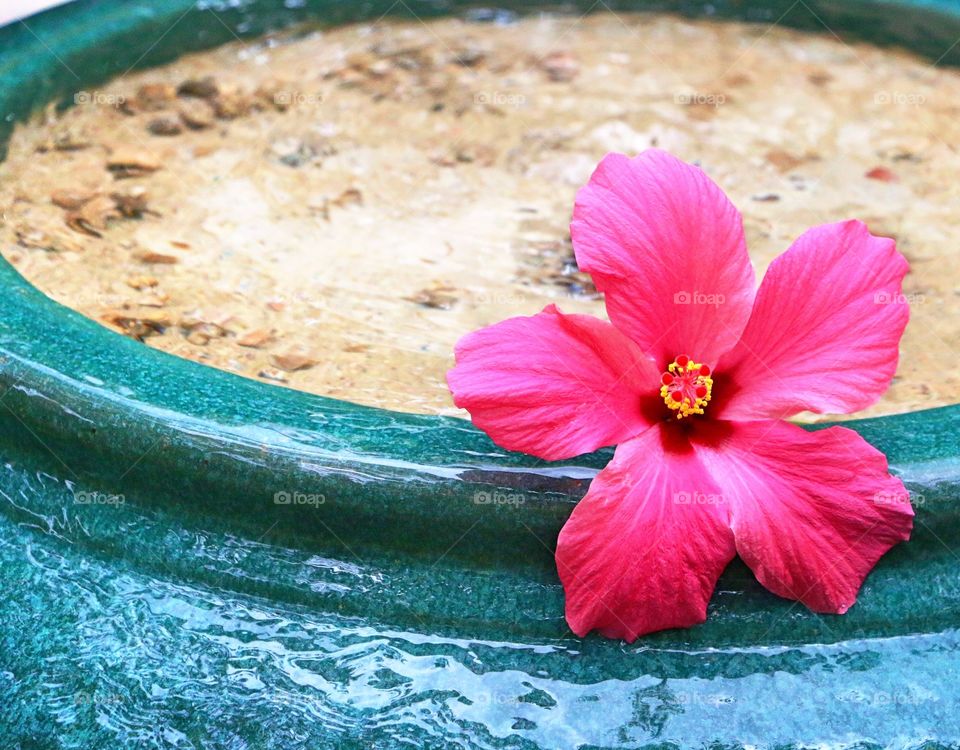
<point x="350" y="78"/>
<point x="77" y="223"/>
<point x="191" y="320"/>
<point x="132" y="203"/>
<point x="155" y="96"/>
<point x="200" y="88"/>
<point x="442" y="158"/>
<point x="294" y="152"/>
<point x="166" y="125"/>
<point x="560" y="67"/>
<point x="149" y="256"/>
<point x="275" y="94"/>
<point x="196" y="114"/>
<point x="349" y="197"/>
<point x="395" y="46"/>
<point x="783" y="160"/>
<point x="380" y="69"/>
<point x="819" y="78"/>
<point x="882" y="174"/>
<point x="140" y="282"/>
<point x="71" y="198"/>
<point x="230" y="104"/>
<point x="67" y="139"/>
<point x="138" y="325"/>
<point x="217" y="319"/>
<point x="220" y="318"/>
<point x="158" y="299"/>
<point x="199" y="337"/>
<point x="34" y="238"/>
<point x="127" y="162"/>
<point x="469" y="55"/>
<point x="738" y="79"/>
<point x="361" y="60"/>
<point x="290" y="151"/>
<point x="481" y="153"/>
<point x="92" y="217"/>
<point x="202" y="333"/>
<point x="437" y="298"/>
<point x="906" y="155"/>
<point x="271" y="374"/>
<point x="294" y="359"/>
<point x="205" y="149"/>
<point x="255" y="338"/>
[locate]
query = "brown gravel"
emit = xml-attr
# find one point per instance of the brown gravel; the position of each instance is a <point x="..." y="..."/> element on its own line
<point x="332" y="211"/>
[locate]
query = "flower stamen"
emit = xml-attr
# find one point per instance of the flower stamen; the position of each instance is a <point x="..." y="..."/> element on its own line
<point x="686" y="386"/>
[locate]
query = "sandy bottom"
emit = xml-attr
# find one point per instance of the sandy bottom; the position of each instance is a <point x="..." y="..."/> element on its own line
<point x="332" y="211"/>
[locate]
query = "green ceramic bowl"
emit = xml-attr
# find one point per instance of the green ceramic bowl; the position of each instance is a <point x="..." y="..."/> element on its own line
<point x="156" y="594"/>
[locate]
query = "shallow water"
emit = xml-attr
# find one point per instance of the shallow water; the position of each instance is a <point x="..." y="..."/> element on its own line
<point x="128" y="624"/>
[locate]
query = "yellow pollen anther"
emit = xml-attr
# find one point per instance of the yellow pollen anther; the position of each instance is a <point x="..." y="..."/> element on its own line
<point x="686" y="386"/>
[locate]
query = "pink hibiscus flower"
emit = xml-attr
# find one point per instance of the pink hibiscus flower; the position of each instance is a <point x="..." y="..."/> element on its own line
<point x="691" y="381"/>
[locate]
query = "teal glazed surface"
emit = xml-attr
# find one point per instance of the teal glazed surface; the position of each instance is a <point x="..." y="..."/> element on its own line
<point x="155" y="594"/>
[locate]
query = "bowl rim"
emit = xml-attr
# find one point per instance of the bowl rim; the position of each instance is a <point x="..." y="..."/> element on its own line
<point x="106" y="401"/>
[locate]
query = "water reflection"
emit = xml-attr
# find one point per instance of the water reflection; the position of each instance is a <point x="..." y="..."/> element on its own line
<point x="188" y="638"/>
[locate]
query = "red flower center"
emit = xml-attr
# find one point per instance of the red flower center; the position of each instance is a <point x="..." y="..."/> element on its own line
<point x="686" y="386"/>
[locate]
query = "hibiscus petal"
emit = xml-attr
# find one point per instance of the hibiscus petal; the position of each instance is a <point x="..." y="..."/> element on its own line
<point x="554" y="385"/>
<point x="824" y="331"/>
<point x="643" y="550"/>
<point x="666" y="247"/>
<point x="811" y="512"/>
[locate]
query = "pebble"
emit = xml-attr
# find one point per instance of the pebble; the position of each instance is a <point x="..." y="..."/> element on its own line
<point x="255" y="338"/>
<point x="196" y="114"/>
<point x="272" y="374"/>
<point x="294" y="359"/>
<point x="70" y="198"/>
<point x="155" y="96"/>
<point x="200" y="88"/>
<point x="142" y="282"/>
<point x="131" y="203"/>
<point x="149" y="256"/>
<point x="882" y="174"/>
<point x="126" y="161"/>
<point x="560" y="67"/>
